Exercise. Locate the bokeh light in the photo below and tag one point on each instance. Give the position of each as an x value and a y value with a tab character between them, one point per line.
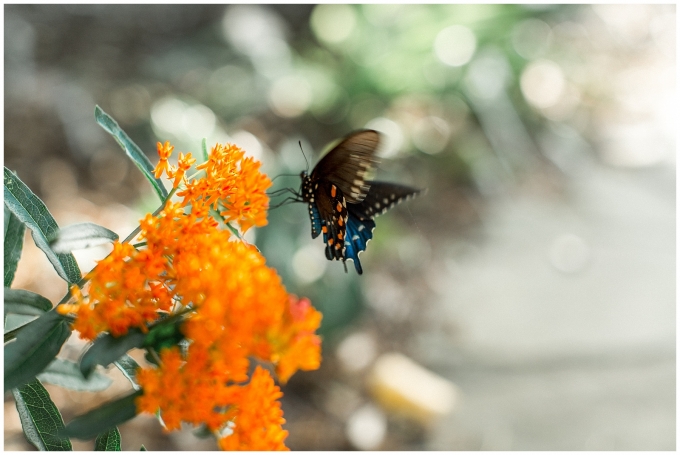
455	45
357	351
366	428
531	38
542	83
333	23
290	96
431	134
308	264
393	139
487	76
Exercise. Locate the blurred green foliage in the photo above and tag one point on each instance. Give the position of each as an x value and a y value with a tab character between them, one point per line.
279	74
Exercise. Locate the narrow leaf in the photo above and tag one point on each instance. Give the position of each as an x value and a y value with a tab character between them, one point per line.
19	301
131	149
14	323
35	347
108	441
81	236
107	349
103	418
65	373
40	418
31	211
128	366
204	149
14	242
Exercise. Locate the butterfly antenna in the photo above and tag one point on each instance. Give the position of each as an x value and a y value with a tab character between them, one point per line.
288	200
280	191
303	154
284	175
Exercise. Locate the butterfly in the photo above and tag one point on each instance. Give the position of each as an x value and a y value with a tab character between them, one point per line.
342	203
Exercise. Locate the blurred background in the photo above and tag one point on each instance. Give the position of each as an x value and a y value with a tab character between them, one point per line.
526	302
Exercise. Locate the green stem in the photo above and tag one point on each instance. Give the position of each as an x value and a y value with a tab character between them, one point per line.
234	230
136	231
219	216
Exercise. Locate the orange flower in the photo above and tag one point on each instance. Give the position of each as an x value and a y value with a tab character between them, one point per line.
183	165
164	152
234	186
233	307
190	390
293	345
258	416
119	295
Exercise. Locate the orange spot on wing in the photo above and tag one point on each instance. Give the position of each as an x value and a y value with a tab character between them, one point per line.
340	221
333	190
324	229
330	241
339	207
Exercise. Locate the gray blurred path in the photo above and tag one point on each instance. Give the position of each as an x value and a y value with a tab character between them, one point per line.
566	312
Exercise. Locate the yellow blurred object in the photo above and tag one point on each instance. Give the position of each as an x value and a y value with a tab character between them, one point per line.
403	387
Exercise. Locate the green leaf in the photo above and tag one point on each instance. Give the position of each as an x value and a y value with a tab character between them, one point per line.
107	349
131	149
204	149
40	418
101	419
165	334
142	449
203	432
80	236
14	323
35	347
65	373
31	211
128	366
14	242
19	301
108	441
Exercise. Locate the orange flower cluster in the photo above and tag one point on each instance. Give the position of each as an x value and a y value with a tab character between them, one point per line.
232	185
258	424
126	290
234	307
288	344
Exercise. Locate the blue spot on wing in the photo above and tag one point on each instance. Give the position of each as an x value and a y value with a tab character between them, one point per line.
359	232
316	221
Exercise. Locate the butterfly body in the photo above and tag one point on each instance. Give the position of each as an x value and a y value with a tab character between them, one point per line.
342	203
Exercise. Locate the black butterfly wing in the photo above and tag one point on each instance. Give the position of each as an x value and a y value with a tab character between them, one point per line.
347	165
332	209
381	197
